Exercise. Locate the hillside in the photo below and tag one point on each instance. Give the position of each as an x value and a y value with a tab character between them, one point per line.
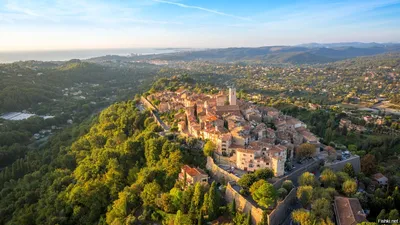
116	169
25	84
267	55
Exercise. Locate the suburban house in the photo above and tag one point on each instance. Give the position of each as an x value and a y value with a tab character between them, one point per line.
348	211
380	178
192	175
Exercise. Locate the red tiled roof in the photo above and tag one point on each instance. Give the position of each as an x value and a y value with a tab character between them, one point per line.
349	211
193	171
378	176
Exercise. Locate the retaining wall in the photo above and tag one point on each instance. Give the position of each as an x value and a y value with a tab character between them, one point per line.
218	173
282	210
147	104
276	217
242	204
294	175
353	160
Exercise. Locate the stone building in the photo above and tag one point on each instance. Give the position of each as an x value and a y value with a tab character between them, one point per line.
261	157
192	175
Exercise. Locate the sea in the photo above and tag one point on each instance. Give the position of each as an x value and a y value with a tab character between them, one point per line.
64	55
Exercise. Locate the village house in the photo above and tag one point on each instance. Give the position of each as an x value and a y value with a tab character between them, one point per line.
380	179
191	175
348	211
260	157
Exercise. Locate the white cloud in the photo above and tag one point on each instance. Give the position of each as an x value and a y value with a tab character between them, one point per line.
203	9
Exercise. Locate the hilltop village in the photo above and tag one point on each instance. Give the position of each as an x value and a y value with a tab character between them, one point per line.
238	128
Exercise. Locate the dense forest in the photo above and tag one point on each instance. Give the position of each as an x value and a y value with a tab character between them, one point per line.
117	171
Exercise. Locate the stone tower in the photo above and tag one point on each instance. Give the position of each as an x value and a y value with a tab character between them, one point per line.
232	96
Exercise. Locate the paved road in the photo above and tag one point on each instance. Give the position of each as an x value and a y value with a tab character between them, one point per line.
295	206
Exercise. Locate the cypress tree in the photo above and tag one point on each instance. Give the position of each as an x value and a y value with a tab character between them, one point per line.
213	203
232	208
196	202
248	219
382	215
200	218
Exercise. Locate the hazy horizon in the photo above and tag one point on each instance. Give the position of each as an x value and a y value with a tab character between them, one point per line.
99	24
65	55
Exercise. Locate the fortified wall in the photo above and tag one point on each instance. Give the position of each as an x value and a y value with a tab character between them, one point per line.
242	204
294	175
147	104
354	160
275	217
218	173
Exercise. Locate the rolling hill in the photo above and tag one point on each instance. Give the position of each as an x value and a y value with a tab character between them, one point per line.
308	54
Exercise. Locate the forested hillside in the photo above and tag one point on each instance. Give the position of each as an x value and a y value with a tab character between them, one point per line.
25	84
120	170
70	91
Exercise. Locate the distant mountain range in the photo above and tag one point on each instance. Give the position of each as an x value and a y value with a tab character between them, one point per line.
312	53
347	44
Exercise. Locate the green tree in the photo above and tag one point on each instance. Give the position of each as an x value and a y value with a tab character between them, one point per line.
329	134
396	197
348	168
303	217
264	174
382	215
349	187
247	180
232	208
248	219
200	218
264	218
197	201
176	197
394	214
209	148
153	148
122	207
308	179
178	218
352	148
213	202
342	177
306	150
165	202
304	194
368	164
328	178
186	199
282	192
288	185
327	193
240	219
150	193
263	193
322	208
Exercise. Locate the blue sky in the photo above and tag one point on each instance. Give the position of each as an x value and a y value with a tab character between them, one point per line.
88	24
